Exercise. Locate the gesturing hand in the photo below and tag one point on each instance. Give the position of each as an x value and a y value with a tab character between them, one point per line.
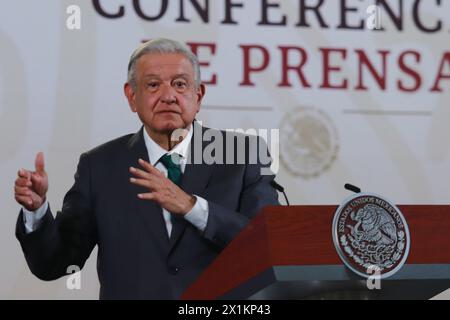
30	187
163	191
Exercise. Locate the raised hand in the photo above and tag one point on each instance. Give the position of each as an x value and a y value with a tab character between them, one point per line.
31	187
161	190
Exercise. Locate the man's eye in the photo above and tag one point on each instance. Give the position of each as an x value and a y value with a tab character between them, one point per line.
152	85
180	84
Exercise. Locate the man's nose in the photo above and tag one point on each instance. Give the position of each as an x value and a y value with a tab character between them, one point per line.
168	95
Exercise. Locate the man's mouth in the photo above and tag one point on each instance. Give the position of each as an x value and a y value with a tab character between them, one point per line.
168	112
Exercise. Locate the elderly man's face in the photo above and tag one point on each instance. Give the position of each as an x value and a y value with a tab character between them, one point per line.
165	97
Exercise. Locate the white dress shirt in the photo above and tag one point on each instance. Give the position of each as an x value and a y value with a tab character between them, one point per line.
198	216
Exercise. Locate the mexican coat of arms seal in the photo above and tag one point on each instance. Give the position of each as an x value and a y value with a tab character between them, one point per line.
370	232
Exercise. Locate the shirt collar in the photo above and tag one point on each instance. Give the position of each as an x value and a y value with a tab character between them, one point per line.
155	151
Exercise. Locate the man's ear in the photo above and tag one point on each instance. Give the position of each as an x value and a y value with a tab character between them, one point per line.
131	97
200	94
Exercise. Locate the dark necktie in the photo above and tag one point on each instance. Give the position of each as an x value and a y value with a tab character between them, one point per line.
172	164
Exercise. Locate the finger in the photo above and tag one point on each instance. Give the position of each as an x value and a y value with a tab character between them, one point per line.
24	174
22	182
147	196
140	173
24	200
143	183
36	178
39	163
27	193
23	191
147	166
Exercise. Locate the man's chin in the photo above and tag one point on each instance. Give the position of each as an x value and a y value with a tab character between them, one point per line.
171	127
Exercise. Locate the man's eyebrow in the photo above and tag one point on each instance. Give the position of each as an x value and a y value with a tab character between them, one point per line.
178	75
182	75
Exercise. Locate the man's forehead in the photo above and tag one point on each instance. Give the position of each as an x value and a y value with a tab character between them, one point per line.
161	61
175	74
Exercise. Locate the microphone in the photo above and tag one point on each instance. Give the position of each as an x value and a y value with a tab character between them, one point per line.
278	187
353	188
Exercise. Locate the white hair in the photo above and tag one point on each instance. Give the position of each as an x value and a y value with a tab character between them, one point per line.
161	45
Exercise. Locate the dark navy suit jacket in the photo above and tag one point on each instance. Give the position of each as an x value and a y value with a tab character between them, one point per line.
136	258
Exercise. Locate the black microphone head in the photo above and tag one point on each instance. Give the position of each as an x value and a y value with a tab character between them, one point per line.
351	187
279	188
274	184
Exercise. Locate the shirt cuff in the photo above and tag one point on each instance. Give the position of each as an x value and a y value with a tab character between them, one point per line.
198	216
33	219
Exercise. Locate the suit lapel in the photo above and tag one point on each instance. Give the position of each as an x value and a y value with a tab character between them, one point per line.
150	212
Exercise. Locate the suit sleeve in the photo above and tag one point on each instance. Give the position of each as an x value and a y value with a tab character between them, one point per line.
223	223
67	239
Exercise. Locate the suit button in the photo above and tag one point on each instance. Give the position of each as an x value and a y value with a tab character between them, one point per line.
173	270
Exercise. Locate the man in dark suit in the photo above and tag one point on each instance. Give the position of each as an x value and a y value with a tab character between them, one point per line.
158	208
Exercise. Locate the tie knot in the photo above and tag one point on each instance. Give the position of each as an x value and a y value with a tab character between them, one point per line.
172	164
171	160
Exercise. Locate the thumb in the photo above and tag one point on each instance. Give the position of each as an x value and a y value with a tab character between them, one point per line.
39	163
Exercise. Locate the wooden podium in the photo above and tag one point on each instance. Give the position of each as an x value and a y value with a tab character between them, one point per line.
288	253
